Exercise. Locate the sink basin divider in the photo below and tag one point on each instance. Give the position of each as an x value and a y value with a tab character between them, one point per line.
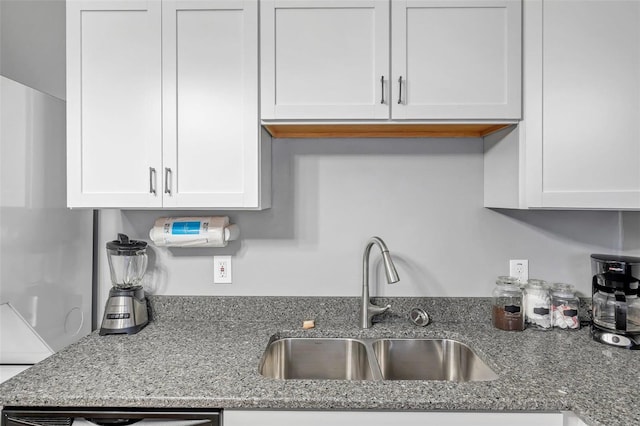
376	372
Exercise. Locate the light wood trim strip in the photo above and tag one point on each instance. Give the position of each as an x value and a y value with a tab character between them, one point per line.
304	131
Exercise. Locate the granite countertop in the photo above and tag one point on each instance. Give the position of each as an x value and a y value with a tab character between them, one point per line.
203	352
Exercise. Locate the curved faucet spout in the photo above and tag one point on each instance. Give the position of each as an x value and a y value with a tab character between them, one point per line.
367	309
389	268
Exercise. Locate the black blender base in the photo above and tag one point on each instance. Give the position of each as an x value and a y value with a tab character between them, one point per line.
621	340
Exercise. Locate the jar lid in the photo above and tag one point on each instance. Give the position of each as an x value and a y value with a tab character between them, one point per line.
504	279
562	289
123	246
536	283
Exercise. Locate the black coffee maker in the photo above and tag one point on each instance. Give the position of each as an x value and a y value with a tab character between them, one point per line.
616	306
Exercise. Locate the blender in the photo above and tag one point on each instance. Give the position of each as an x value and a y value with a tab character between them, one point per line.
126	309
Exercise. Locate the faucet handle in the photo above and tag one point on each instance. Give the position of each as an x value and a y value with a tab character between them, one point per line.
377	310
374	310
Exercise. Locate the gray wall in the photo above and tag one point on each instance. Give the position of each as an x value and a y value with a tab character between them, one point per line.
631	233
32	44
422	196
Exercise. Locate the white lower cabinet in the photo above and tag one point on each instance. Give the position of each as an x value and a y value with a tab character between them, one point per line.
162	101
579	143
385	418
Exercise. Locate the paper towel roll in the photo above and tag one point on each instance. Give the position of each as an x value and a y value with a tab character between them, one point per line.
211	231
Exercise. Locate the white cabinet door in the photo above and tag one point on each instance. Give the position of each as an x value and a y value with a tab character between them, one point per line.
324	59
456	59
114	123
385	418
210	89
583	123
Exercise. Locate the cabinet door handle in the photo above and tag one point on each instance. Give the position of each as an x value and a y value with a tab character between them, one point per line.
152	181
382	89
167	180
400	90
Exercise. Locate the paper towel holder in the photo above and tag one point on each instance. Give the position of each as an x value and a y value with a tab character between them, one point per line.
209	231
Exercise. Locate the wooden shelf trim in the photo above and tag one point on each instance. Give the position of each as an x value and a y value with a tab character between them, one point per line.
391	130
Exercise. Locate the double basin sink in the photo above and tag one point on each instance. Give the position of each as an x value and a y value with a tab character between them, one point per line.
373	359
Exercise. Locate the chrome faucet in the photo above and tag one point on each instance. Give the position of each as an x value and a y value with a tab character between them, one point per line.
368	309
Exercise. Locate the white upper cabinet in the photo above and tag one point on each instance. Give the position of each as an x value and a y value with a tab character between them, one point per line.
163	105
210	75
114	103
456	59
579	144
332	59
590	140
324	59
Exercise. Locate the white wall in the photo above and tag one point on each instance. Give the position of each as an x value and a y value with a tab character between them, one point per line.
45	248
422	196
32	44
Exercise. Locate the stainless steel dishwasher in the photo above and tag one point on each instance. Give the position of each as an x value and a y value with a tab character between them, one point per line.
45	416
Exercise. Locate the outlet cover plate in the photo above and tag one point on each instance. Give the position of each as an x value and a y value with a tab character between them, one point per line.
222	269
519	268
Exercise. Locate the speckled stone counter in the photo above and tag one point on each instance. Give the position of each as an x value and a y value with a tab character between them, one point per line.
203	352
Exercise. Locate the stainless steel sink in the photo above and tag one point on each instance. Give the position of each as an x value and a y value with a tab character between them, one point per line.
373	359
429	359
338	359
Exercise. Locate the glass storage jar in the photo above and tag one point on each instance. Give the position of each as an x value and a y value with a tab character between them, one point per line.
564	307
537	303
507	310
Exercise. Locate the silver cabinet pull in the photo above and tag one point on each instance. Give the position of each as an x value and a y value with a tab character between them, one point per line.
152	181
167	180
382	89
400	90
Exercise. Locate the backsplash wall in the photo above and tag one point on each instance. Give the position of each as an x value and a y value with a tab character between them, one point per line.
631	233
422	196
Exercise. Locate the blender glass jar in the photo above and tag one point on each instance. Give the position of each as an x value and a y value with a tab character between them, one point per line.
127	261
507	310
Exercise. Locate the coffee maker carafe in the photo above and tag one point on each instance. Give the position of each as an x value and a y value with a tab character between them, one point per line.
616	306
126	309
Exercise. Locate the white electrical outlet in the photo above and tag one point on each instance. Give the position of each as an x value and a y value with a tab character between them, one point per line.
519	269
222	272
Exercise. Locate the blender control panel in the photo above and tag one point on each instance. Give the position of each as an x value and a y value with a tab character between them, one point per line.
119	316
